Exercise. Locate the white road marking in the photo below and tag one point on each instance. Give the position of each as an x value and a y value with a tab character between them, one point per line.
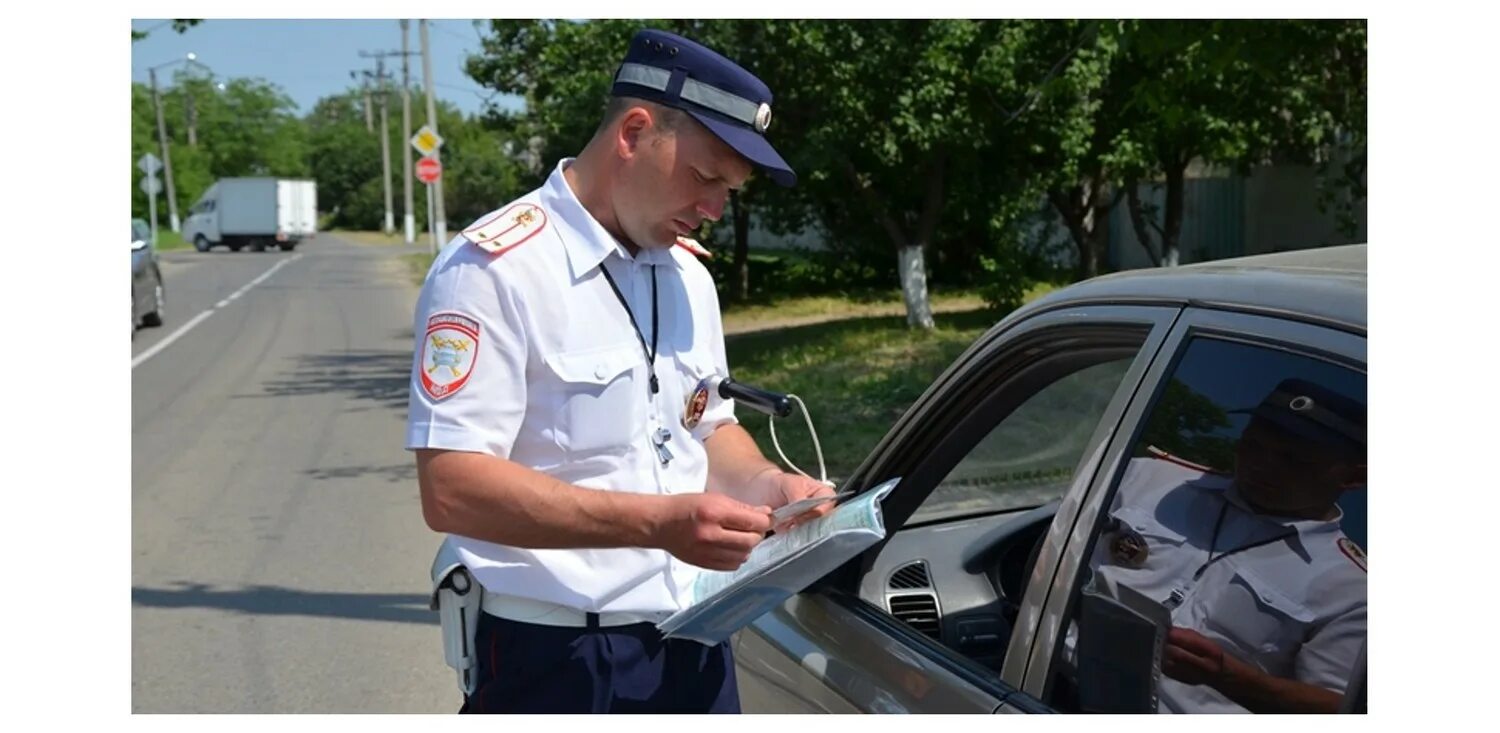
164	343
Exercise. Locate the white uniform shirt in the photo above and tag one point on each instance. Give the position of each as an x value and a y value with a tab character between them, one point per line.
558	381
1294	608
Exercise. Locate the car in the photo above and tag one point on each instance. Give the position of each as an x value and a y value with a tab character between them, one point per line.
148	294
1011	466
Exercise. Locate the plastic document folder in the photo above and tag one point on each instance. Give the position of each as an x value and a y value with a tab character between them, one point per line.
722	603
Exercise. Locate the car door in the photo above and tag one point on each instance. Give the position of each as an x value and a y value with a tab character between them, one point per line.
839	646
1194	404
140	254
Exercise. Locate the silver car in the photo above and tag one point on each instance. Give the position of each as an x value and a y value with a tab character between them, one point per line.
985	596
148	295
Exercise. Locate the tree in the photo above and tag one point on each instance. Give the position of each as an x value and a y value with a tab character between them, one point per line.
880	164
480	166
1237	94
180	25
346	159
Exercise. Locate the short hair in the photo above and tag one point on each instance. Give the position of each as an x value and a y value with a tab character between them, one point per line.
668	120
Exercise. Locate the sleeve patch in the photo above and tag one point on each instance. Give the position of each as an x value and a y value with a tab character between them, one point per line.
449	350
1353	552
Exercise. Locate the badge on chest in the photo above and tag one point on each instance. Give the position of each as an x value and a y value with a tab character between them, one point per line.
1128	548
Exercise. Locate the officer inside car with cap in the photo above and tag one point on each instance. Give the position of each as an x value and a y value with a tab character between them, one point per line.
1266	593
560	341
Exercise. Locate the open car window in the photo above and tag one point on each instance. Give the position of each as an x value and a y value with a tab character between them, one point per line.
1234	535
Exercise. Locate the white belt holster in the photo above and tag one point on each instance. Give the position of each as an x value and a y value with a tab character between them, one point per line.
457	598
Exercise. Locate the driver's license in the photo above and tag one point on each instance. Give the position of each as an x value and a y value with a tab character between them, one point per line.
802	505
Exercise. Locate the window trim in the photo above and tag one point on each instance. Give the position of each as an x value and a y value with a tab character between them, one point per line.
1299	337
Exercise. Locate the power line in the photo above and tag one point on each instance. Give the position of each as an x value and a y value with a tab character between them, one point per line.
445	29
484	96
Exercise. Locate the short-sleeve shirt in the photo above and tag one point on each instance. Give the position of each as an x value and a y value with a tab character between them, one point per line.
523	351
1294	607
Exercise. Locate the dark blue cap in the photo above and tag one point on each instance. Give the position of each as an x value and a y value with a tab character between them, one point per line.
672	71
1313	412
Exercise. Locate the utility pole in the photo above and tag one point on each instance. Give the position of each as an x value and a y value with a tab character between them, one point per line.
440	223
166	155
409	219
385	136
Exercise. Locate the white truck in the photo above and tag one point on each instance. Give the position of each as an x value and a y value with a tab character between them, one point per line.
253	212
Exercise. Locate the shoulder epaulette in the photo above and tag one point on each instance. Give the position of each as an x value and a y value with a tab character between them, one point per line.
508	229
1185	463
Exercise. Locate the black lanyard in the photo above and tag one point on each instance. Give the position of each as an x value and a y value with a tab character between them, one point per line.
1214	543
650	352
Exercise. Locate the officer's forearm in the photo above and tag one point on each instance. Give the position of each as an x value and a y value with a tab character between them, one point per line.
1259	692
492	499
735	463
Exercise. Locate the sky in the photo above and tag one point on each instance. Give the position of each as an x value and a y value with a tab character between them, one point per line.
311	59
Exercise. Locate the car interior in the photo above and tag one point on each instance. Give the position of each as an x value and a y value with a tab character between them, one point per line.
957	568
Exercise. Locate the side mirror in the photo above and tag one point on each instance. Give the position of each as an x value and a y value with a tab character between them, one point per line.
137	245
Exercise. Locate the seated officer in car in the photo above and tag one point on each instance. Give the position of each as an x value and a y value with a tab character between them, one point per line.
1266	593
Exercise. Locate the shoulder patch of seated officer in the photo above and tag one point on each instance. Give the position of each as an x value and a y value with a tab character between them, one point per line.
693	246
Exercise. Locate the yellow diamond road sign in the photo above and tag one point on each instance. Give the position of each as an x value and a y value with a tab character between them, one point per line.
426	141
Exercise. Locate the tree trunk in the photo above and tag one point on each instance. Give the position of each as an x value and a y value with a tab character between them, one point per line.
1072	216
1172	227
1138	220
740	289
910	260
914	288
1085	209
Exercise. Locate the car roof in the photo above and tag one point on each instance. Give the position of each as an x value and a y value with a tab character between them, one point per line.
1325	285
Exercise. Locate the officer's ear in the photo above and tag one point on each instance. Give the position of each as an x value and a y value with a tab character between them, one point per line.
633	132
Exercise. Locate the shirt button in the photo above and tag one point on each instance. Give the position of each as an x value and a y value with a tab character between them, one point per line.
599	372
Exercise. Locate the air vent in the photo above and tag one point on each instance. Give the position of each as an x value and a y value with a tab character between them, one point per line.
913	575
918	610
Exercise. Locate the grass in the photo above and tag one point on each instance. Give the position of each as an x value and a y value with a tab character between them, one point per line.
885	303
168	240
856	376
417	265
365	237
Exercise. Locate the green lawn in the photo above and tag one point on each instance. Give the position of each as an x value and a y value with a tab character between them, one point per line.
167	240
856	377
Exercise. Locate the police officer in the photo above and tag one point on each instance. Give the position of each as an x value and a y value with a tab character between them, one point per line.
560	339
1266	593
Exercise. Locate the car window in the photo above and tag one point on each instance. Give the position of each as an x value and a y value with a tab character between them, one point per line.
1235	532
1028	458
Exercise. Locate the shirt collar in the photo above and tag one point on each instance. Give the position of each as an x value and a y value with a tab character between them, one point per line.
586	241
1306	528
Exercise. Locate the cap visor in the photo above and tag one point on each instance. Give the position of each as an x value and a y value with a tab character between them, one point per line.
752	145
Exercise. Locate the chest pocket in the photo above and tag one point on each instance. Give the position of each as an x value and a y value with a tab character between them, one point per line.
1247	610
600	405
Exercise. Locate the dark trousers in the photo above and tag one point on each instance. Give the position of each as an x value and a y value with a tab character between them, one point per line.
531	668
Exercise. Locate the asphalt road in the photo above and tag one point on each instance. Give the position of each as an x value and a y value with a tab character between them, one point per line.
279	559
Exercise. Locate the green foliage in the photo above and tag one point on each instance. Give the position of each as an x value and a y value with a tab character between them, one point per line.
180	25
249	128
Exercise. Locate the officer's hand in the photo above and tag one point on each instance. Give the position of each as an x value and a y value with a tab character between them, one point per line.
785	488
711	531
1192	658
